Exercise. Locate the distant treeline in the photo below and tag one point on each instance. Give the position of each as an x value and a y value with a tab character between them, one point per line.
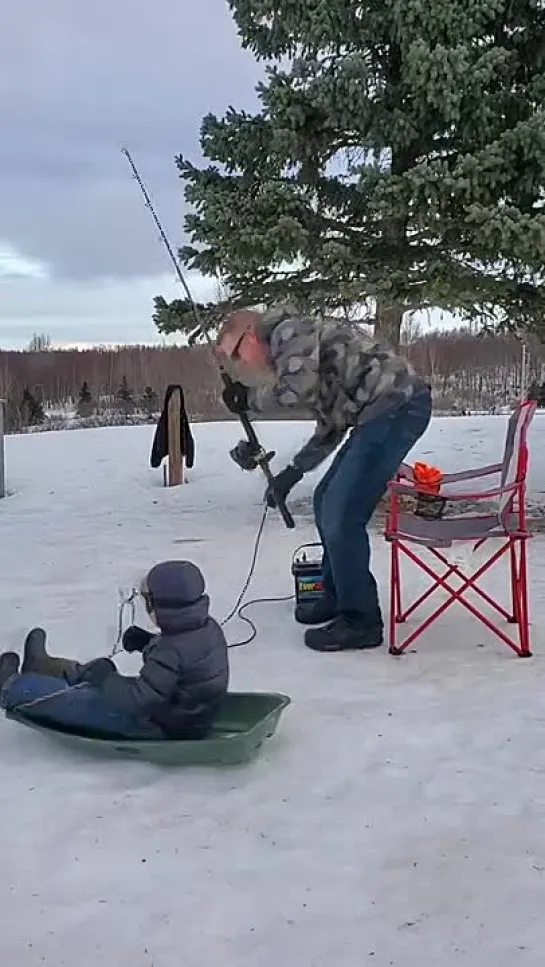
466	372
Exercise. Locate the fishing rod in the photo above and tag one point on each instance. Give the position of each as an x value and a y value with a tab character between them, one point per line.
255	453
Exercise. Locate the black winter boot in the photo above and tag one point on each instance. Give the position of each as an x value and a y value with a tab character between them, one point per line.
9	665
343	634
36	659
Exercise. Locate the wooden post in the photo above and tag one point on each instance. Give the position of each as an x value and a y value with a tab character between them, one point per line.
175	460
2	463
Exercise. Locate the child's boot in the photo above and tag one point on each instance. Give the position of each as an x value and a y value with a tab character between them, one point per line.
36	659
9	665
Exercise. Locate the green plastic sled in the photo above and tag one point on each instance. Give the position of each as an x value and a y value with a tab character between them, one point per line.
243	723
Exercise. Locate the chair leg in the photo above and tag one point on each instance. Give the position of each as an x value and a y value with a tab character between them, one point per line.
515	617
519	592
397	586
395	597
522	603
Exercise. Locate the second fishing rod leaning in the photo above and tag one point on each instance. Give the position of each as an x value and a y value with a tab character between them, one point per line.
254	451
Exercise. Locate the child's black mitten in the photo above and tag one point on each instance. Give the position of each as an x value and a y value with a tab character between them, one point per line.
136	639
96	672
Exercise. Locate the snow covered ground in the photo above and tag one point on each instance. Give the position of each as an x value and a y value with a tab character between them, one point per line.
397	818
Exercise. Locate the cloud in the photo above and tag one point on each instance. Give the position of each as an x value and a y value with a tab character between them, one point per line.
77	83
16	266
79	254
115	310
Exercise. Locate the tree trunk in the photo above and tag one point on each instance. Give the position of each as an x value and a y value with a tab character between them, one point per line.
388	320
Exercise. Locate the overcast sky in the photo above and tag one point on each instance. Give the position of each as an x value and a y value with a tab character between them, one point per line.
79	255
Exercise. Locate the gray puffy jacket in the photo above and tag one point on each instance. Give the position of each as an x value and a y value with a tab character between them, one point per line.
185	671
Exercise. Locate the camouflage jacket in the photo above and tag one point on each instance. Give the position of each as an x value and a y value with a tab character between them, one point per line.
332	371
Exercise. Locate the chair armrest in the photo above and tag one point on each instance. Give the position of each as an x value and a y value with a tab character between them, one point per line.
406	472
472	474
479	494
409	490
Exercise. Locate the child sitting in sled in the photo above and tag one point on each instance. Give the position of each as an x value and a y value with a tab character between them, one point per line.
182	682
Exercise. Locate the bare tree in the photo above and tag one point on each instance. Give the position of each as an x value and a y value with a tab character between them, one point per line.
467	371
39	343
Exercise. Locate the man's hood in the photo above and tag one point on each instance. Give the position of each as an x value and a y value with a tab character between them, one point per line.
269	319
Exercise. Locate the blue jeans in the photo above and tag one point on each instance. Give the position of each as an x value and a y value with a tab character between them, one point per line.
80	709
347	495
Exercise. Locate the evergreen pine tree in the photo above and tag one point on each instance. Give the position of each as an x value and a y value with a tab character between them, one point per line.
85	405
397	162
149	402
125	398
537	392
31	409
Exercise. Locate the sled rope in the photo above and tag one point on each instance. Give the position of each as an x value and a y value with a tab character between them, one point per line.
125	603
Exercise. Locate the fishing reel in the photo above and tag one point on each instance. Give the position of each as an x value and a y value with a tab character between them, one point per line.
248	456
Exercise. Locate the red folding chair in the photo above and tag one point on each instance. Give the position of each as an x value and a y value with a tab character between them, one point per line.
508	524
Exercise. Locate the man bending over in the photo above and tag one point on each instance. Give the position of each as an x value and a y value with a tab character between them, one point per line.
352	385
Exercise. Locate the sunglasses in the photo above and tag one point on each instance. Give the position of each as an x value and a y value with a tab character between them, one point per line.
236	349
235	340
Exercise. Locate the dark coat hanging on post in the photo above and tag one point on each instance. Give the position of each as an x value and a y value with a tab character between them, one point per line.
159	449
